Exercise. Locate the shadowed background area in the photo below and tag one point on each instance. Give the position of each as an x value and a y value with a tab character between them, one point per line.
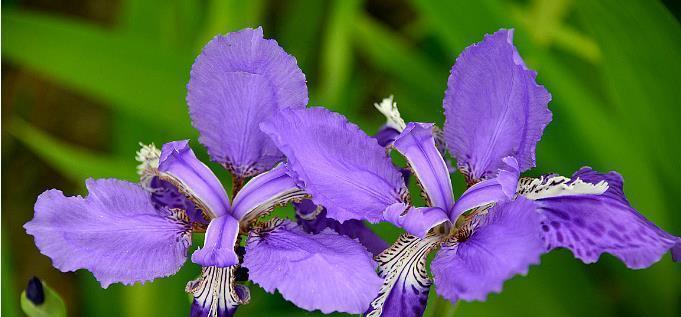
83	81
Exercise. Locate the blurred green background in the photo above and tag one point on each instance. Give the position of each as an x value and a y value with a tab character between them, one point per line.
83	81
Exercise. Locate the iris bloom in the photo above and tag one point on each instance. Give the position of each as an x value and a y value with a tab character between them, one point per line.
126	232
495	115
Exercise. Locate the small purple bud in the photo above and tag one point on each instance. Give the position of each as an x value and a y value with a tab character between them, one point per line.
35	292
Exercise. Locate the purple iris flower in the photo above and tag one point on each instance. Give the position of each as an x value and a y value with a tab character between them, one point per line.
125	232
496	114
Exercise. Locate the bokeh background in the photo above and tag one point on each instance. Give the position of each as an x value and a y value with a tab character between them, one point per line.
83	81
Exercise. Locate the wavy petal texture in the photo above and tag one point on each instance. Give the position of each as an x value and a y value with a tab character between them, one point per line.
405	280
590	224
312	219
180	166
218	247
239	80
417	145
324	271
505	242
493	107
264	192
216	294
115	233
343	169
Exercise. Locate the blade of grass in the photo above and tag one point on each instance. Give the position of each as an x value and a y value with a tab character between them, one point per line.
299	39
224	16
336	61
126	73
392	55
74	162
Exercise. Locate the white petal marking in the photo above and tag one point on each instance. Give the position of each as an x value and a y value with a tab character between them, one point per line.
216	289
555	186
404	261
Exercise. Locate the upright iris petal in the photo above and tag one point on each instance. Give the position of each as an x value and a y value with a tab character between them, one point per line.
343	169
115	233
239	80
494	108
417	144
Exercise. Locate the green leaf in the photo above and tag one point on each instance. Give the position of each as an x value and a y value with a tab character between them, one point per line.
392	55
641	48
75	162
297	38
460	23
336	61
125	72
53	306
224	16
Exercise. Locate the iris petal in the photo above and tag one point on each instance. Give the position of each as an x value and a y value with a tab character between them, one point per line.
494	108
324	271
343	169
417	145
115	233
590	215
239	80
505	242
180	167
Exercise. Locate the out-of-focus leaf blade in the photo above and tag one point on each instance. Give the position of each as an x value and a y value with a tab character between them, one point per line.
641	43
460	23
297	38
126	73
336	61
9	294
390	54
76	163
224	16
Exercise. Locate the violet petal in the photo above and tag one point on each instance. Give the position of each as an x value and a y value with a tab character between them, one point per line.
115	233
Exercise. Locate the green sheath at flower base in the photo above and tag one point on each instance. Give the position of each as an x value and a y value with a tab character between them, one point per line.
39	300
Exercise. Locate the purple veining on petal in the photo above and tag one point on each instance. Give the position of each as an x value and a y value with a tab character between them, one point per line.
417	145
179	166
415	220
239	80
314	220
406	284
504	242
166	195
324	271
115	233
218	247
343	169
216	294
590	225
494	108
